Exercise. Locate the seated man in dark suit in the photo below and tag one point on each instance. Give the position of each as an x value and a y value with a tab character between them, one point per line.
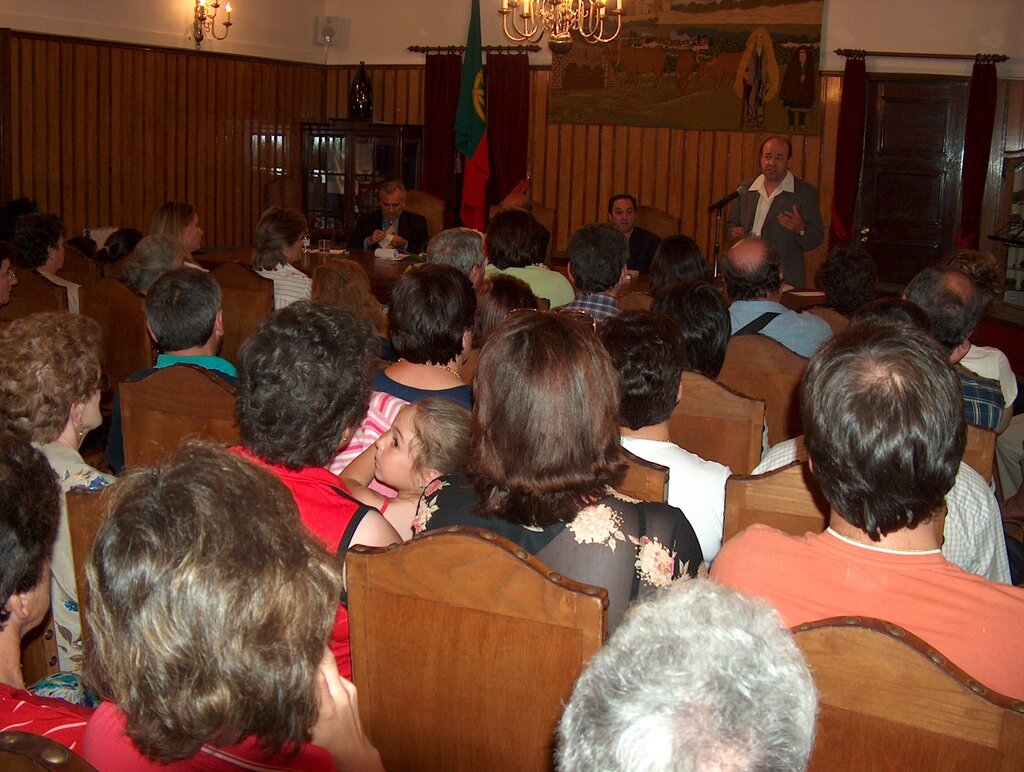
183	316
408	230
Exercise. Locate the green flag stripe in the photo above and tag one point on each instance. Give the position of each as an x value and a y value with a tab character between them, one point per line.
469	121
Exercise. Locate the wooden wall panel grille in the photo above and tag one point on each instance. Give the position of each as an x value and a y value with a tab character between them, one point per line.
104	133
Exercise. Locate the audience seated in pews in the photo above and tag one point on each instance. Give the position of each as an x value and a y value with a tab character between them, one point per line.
848	278
118	247
428	439
753	281
303	386
647	351
50	384
183	315
511	247
954	305
677	259
461	248
697	677
152	257
277	247
29	513
344	283
7	278
544	461
209	614
884	428
39	244
179	221
597	266
703	317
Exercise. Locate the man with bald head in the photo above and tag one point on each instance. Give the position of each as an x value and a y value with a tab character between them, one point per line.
753	281
780	208
954	305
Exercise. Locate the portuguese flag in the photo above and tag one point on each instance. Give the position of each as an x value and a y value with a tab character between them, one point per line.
471	129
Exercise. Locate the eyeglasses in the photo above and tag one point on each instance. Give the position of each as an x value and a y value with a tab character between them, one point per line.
582	318
9	273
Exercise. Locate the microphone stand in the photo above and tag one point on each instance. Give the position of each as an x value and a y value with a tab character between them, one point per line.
717	208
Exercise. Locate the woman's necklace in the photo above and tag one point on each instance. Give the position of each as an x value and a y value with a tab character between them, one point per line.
439	367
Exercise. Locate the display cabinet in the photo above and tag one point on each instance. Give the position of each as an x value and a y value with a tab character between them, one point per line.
1009	239
344	163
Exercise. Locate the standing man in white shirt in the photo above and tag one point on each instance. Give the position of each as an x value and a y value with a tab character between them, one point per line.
780	208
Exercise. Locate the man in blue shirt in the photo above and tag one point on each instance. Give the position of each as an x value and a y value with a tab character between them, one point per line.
597	266
183	316
753	281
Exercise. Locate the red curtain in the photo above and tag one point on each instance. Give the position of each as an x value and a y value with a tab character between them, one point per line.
508	115
441	97
981	112
849	151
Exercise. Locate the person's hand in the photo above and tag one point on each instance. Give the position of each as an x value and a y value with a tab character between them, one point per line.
737	232
398	242
791	220
338	729
376	236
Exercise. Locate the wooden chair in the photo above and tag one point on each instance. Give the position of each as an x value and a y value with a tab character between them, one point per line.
644	479
718	424
835	320
430	206
887	700
787	498
121	314
86	510
246	299
980	452
660	223
636	301
24	752
79	268
173	403
760	367
39	652
491	642
33	293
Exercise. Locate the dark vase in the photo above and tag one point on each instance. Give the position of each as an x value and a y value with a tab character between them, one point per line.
360	95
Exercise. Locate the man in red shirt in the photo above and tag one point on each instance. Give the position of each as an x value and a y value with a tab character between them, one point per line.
884	426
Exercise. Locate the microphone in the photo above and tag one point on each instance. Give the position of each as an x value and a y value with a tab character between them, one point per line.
726	199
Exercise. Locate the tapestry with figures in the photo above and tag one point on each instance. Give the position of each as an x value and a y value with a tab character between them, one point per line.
703	64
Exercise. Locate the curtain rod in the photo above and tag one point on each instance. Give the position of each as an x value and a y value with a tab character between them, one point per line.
462	49
857	53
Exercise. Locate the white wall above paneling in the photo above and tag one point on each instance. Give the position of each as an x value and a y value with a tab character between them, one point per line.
380	31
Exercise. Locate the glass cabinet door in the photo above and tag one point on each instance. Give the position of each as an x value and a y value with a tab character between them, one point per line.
325	180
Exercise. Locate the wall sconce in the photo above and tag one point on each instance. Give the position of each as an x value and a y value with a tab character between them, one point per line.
206	14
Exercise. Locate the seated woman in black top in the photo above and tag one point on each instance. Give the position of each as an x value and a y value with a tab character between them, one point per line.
545	459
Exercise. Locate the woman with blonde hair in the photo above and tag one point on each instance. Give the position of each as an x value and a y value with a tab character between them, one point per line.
50	383
757	78
344	283
180	221
277	247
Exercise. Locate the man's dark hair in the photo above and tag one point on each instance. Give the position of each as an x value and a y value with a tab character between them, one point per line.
11	211
789	144
884	425
29	508
303	383
647	349
848	277
617	196
678	258
951	301
432	306
597	255
746	282
34	234
511	239
181	308
894	311
703	318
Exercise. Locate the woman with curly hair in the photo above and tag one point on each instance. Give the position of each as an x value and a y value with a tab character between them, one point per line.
210	610
50	384
345	283
545	459
39	244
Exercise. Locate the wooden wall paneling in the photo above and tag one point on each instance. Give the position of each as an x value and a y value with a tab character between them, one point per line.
17	116
590	174
550	178
690	143
6	119
402	80
1014	116
103	122
605	180
674	156
659	195
649	168
416	95
51	192
537	140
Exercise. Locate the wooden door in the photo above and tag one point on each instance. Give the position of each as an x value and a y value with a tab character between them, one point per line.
909	202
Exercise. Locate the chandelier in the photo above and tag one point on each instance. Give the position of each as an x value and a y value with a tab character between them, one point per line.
528	20
205	14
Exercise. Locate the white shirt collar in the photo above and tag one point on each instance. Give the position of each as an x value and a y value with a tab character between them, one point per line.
787	185
873	548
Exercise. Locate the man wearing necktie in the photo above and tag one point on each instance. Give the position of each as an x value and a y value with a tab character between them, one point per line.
391	226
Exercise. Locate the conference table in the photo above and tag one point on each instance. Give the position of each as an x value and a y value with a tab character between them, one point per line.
383	272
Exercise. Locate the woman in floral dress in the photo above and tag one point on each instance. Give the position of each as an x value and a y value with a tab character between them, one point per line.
50	384
545	460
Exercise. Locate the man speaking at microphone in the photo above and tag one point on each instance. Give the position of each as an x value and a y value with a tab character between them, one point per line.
781	209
